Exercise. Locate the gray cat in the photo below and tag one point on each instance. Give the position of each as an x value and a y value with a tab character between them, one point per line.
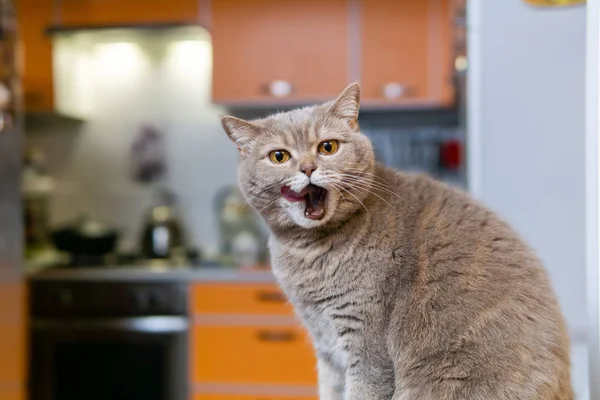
410	289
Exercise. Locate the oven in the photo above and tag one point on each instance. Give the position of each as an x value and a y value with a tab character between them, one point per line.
111	340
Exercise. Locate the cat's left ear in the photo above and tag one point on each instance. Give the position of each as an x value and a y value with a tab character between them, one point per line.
239	131
347	104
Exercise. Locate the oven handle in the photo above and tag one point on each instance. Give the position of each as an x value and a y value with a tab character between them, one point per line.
166	324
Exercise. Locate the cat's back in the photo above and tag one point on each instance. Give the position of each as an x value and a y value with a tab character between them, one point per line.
479	292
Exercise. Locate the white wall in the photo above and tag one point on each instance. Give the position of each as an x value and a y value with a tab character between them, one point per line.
527	116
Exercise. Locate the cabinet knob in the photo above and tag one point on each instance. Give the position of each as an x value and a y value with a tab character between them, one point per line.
394	91
280	89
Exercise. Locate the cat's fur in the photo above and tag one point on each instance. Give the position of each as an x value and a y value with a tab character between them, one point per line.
410	289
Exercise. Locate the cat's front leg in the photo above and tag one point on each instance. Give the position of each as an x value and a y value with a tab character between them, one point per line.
331	381
365	386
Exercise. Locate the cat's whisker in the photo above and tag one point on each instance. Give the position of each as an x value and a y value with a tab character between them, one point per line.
374	194
333	185
373	184
357	199
366	178
268	205
368	173
348	178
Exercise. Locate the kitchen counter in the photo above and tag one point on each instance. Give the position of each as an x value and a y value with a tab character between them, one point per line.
141	274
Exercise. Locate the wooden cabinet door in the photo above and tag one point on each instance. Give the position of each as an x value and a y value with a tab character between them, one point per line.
12	341
252	354
239	299
406	53
258	42
33	17
124	12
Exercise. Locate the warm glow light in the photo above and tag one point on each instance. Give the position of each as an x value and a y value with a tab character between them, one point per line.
191	55
119	59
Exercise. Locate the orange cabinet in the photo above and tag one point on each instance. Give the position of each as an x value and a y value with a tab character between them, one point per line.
33	17
12	341
125	12
245	340
279	355
268	51
263	299
13	394
406	52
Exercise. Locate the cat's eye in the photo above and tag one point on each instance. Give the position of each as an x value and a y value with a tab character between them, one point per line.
279	156
328	147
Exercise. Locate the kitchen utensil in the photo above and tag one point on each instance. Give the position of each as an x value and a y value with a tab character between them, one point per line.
163	235
87	241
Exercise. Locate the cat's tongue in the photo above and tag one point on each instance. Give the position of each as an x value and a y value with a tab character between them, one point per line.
314	196
292	196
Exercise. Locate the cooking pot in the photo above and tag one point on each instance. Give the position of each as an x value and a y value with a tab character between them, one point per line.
86	240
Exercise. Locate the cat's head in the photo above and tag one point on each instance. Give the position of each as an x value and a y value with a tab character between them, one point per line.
307	167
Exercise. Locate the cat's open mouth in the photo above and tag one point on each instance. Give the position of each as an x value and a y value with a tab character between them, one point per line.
313	196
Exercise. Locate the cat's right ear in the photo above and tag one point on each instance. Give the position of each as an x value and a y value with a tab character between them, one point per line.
239	131
347	104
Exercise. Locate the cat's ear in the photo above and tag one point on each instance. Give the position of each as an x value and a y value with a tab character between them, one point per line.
347	104
239	131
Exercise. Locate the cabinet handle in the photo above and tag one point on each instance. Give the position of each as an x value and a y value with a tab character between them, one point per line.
280	89
281	336
267	296
395	90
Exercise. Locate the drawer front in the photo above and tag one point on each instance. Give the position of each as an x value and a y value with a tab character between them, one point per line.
265	299
280	355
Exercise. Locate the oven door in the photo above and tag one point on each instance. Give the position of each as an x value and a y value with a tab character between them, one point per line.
139	358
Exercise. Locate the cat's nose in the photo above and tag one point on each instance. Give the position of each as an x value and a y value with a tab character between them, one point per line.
308	169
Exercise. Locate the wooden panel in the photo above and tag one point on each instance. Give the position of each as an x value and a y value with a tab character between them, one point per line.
239	298
234	397
410	43
12	339
252	354
33	17
119	12
13	394
259	41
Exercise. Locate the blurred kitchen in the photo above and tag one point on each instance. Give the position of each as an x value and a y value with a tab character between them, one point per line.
143	275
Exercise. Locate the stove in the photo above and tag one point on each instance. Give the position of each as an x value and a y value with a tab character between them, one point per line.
108	340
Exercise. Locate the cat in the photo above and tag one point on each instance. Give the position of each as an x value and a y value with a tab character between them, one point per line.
409	289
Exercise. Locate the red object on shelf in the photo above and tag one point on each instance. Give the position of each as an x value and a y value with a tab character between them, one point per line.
451	154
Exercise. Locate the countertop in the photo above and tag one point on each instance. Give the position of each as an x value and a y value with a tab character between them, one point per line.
150	274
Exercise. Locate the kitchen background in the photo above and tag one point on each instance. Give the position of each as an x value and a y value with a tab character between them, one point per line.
139	257
124	84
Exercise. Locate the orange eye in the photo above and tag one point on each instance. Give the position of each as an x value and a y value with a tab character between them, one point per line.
328	147
279	156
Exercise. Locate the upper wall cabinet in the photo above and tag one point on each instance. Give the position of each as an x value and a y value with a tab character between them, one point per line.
269	52
33	17
406	53
125	12
273	52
